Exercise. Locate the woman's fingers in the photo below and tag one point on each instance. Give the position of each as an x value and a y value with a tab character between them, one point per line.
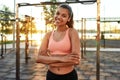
75	56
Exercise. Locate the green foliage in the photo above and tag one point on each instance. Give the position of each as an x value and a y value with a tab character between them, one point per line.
9	42
28	26
49	12
6	22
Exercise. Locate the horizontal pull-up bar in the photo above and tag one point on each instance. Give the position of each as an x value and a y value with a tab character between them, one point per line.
57	3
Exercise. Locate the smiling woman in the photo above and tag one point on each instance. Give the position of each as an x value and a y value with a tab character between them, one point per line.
61	60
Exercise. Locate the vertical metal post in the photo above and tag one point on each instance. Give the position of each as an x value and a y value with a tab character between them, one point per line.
31	19
84	31
98	42
14	27
82	38
17	45
2	49
2	44
5	44
26	42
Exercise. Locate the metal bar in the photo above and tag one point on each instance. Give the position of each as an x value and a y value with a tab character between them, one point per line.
14	27
26	42
5	12
3	19
98	42
5	43
2	45
55	3
84	31
43	3
17	45
105	19
82	53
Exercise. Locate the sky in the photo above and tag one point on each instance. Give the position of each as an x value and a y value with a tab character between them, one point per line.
109	8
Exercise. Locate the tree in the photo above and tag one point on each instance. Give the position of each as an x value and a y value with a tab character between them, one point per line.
28	25
49	12
5	21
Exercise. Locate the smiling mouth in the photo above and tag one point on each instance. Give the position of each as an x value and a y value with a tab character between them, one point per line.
58	21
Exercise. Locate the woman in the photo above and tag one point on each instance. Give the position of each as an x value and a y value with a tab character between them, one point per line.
60	48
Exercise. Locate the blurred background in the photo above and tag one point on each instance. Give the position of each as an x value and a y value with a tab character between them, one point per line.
37	20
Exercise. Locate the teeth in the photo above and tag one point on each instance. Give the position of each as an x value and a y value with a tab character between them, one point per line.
57	20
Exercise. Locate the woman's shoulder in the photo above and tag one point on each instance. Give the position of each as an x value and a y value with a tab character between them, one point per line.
72	31
48	34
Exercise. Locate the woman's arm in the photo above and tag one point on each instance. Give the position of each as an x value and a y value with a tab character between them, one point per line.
45	58
67	60
75	42
57	59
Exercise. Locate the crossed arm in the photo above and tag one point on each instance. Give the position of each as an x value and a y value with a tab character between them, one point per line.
60	60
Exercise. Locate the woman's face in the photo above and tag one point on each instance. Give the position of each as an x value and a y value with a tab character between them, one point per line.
61	17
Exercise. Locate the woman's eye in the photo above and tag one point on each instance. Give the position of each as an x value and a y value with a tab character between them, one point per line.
57	13
63	15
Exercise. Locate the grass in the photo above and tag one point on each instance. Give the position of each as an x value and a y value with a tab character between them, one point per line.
9	42
89	43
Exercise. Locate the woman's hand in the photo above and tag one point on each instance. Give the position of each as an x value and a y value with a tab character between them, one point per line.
71	58
66	60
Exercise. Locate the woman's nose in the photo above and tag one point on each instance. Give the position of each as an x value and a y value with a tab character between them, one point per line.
59	16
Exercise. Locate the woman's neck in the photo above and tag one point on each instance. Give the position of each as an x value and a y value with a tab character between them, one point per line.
62	28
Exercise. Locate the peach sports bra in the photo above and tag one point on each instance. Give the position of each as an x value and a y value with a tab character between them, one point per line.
60	47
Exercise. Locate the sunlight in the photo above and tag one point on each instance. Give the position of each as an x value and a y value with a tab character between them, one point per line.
40	24
37	38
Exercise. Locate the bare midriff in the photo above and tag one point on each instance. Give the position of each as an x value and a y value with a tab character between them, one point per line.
61	70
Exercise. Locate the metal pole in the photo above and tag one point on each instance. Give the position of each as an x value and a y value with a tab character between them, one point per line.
82	39
84	31
31	26
14	28
5	44
98	42
26	42
2	44
17	45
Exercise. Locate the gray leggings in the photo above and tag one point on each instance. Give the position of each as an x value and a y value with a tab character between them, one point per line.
70	76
